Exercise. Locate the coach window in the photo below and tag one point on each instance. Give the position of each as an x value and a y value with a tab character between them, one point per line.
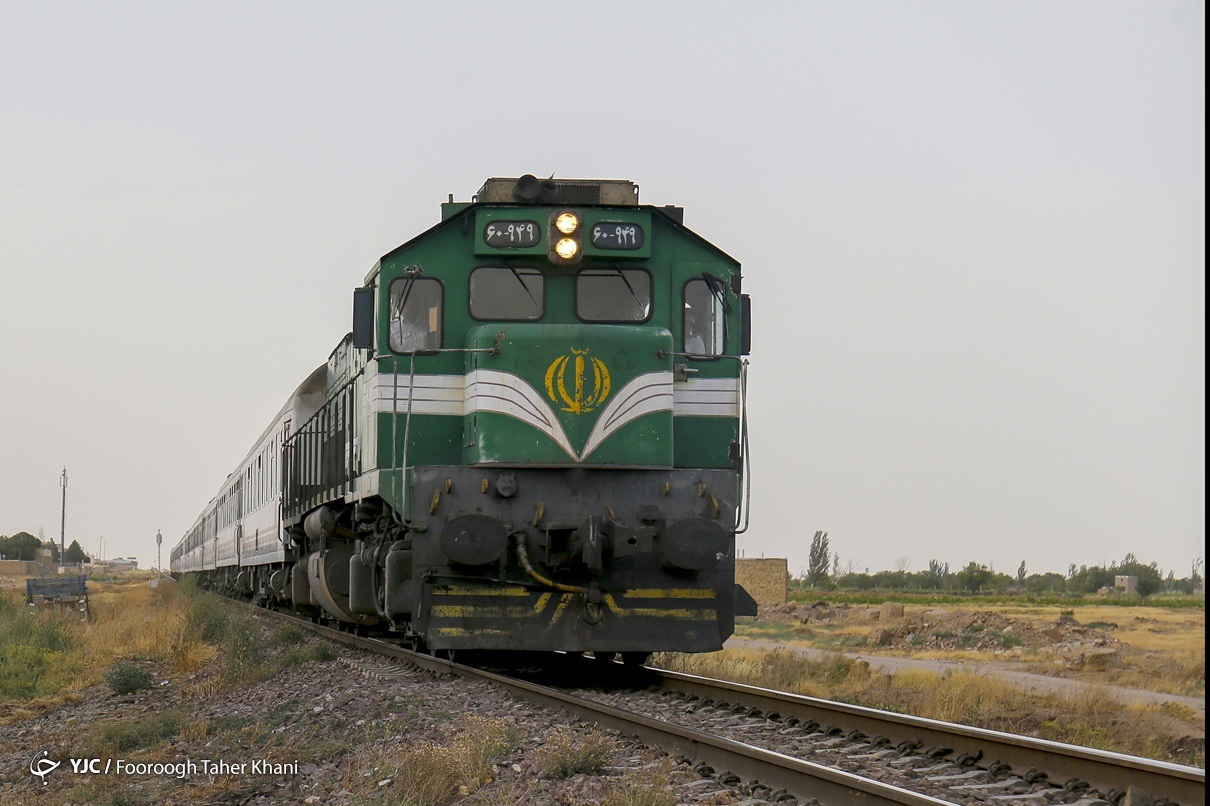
613	295
705	326
507	294
415	315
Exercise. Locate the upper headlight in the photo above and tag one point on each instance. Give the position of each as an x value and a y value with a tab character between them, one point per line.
567	223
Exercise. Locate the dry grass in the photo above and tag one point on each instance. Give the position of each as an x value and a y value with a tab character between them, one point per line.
1091	718
47	658
566	753
425	774
644	787
136	621
428	773
484	742
1162	648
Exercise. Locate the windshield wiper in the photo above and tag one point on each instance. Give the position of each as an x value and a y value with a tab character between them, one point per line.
629	287
524	287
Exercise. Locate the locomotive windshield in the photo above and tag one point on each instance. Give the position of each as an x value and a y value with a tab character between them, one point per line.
613	295
507	294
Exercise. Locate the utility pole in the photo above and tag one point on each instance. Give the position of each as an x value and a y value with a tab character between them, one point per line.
159	538
63	521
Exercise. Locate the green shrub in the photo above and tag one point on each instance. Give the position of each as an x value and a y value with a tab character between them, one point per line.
134	734
287	635
126	676
1005	640
243	653
208	617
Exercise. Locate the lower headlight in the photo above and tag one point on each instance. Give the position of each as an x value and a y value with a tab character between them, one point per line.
566	248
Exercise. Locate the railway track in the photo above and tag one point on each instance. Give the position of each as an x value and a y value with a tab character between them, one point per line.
806	749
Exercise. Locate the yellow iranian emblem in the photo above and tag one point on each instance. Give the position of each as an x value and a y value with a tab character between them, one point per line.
579	399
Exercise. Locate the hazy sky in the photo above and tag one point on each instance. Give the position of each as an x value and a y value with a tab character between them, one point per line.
973	233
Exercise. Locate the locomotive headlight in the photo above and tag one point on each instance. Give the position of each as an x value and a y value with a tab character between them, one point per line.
566	248
567	223
564	237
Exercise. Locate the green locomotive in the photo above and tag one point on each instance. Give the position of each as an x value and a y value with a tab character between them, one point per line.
533	439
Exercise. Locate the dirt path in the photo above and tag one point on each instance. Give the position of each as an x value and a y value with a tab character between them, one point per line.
1039	683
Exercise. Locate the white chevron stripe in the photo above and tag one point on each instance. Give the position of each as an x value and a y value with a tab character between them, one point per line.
645	394
507	394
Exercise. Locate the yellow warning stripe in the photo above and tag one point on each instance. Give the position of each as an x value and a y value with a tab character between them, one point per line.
480	611
462	632
564	601
668	593
480	590
704	614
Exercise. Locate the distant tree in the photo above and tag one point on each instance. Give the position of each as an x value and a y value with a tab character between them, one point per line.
858	581
817	560
1090	580
21	546
1046	583
74	553
1021	572
1000	582
835	565
54	549
892	580
902	563
974	577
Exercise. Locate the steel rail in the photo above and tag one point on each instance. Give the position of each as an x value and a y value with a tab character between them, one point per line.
1101	768
802	779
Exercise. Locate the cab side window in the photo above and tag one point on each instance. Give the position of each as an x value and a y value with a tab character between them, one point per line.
705	331
415	315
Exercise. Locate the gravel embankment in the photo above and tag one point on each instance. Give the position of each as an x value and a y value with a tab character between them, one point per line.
346	729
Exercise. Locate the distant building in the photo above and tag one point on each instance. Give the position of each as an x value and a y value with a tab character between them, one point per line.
766	580
116	564
1126	583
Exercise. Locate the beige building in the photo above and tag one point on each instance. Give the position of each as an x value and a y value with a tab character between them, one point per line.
766	580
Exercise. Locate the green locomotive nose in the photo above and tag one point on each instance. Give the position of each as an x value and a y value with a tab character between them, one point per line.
556	395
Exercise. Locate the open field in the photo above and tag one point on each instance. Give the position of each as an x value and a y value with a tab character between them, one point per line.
1156	649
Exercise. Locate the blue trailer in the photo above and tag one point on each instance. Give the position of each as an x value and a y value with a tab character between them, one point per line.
61	594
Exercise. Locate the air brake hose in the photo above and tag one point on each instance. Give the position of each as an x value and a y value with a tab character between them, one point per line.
523	556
